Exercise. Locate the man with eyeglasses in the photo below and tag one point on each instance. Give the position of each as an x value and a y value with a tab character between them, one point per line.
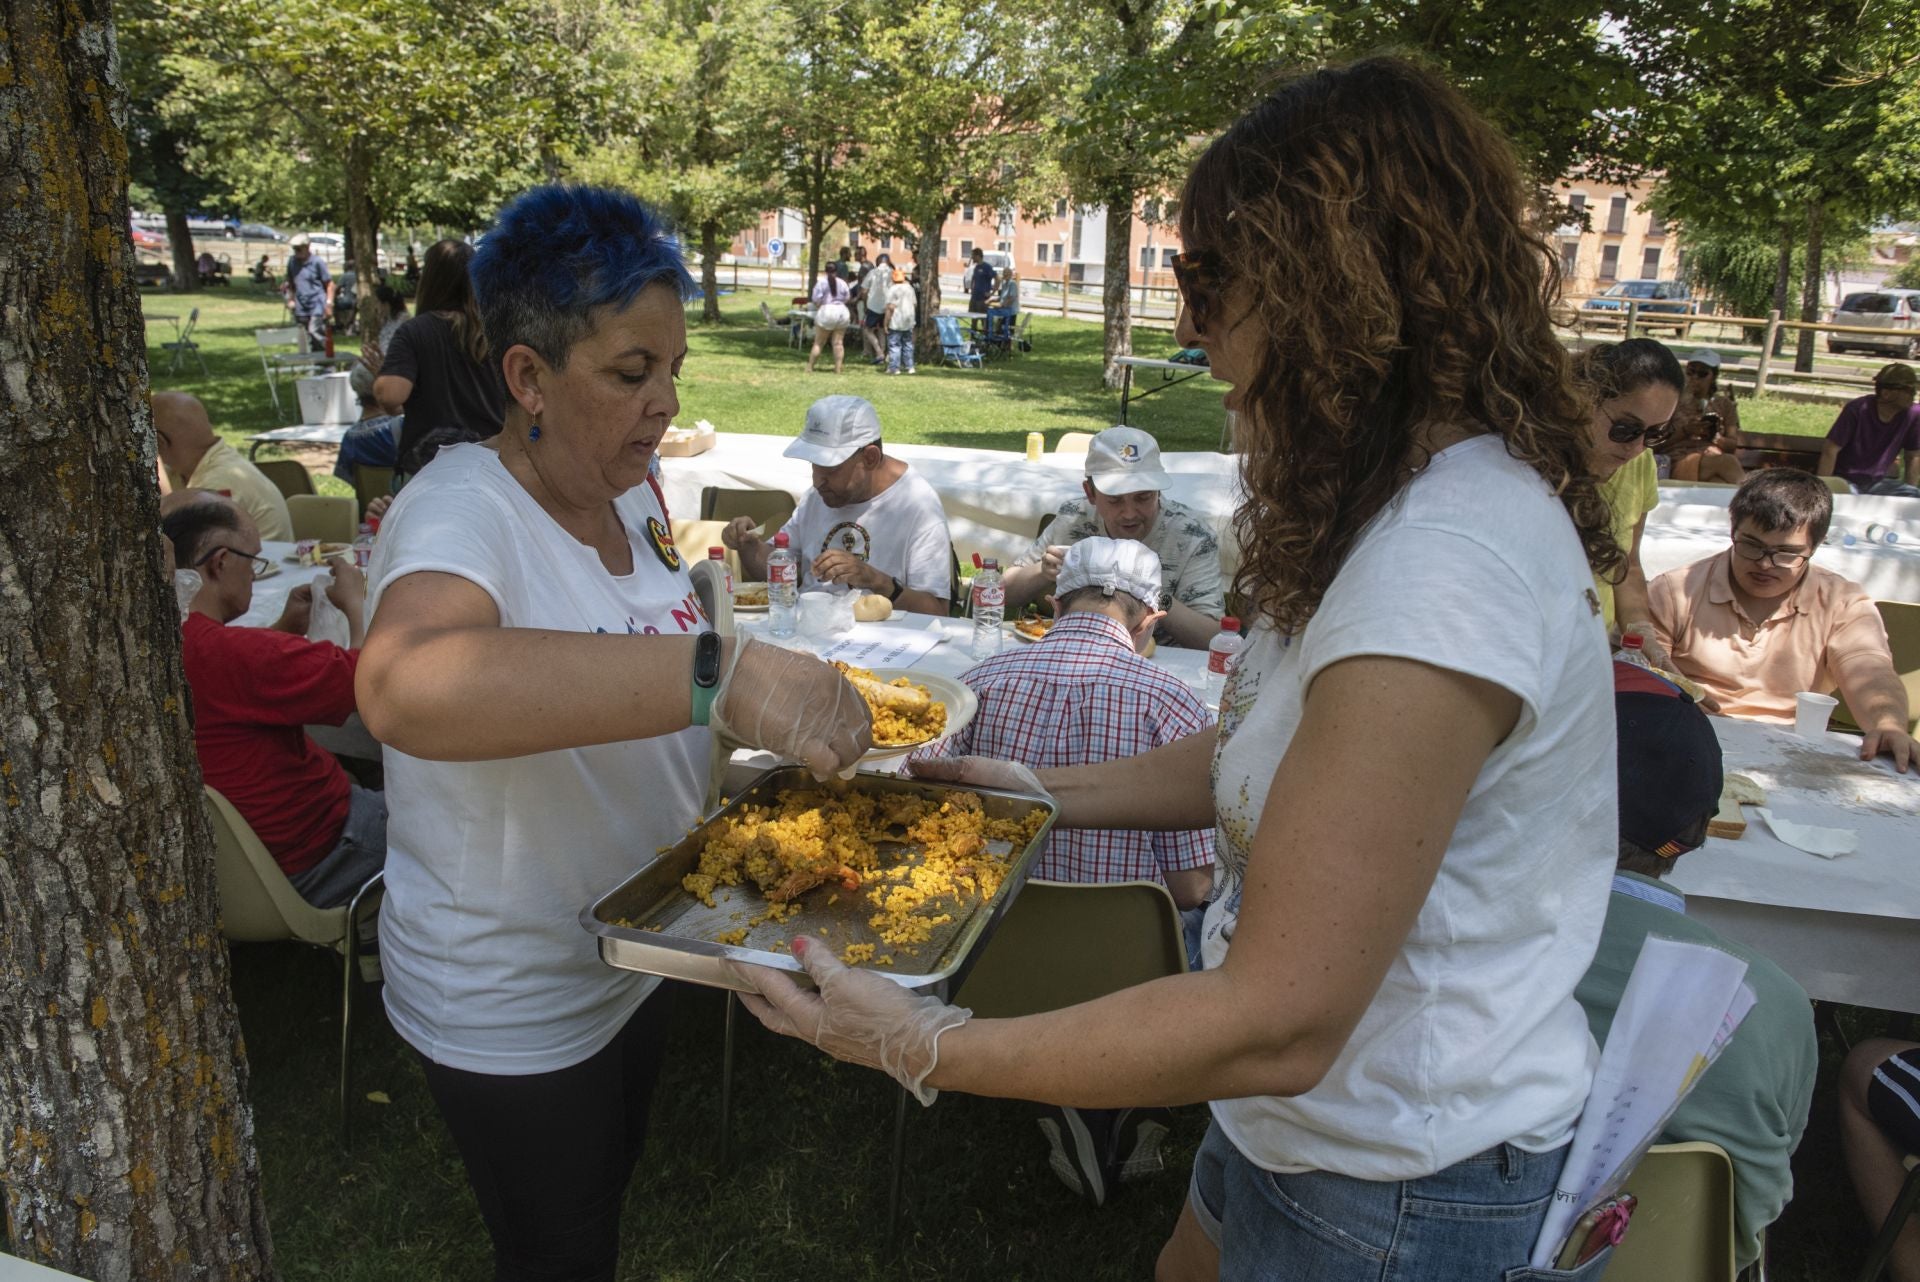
254	692
1867	440
1758	623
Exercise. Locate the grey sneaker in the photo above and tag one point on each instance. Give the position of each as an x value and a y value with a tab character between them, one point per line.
1079	1142
1136	1139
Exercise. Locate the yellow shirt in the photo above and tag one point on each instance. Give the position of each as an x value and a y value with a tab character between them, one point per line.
1631	493
1755	669
223	470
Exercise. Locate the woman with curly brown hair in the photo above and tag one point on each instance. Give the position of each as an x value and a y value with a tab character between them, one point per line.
1413	775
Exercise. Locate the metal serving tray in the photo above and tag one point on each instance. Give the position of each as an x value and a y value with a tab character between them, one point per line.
673	933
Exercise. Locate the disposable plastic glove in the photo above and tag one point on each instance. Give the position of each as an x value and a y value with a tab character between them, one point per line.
854	1015
792	705
980	772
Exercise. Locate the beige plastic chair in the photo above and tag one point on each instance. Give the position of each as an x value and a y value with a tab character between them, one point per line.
1073	443
259	905
370	483
289	477
1683	1224
695	538
1902	619
332	518
1063	943
1838	484
771	508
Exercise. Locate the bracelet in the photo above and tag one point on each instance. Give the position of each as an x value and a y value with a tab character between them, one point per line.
706	676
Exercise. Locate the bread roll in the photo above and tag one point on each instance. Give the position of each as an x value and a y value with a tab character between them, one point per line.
872	609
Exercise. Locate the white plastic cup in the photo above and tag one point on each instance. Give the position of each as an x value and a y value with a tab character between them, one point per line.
1811	712
825	614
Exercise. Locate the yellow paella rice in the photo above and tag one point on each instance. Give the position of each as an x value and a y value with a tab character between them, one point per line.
903	713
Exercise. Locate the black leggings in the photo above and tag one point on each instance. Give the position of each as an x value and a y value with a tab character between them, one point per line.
549	1155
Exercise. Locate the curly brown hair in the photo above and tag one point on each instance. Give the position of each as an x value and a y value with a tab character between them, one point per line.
1373	227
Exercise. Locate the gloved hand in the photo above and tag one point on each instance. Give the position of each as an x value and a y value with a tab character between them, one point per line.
792	705
854	1015
980	772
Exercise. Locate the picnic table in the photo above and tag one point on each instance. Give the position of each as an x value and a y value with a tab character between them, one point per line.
299	434
1172	373
150	317
1847	928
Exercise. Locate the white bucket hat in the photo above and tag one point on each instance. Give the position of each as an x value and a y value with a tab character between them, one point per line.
836	427
1125	460
1112	565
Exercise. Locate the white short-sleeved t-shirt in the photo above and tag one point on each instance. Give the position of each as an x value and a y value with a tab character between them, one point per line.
901	531
490	862
1474	1038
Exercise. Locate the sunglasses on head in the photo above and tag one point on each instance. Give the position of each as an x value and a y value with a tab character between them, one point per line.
1198	273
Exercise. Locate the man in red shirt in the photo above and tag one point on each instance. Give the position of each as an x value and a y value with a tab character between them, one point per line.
254	689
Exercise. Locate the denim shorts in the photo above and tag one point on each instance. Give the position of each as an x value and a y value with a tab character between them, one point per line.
1476	1221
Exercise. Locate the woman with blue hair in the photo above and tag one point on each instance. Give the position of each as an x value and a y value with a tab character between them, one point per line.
545	682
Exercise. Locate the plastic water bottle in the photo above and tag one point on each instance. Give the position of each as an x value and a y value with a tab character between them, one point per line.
1222	653
363	544
989	608
720	555
1633	650
783	588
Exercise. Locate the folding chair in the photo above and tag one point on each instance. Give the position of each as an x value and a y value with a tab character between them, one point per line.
1902	619
274	346
1023	334
766	314
955	350
289	477
185	344
1683	1224
259	905
370	483
1074	443
330	518
771	508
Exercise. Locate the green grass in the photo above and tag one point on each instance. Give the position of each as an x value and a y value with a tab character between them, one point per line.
805	1196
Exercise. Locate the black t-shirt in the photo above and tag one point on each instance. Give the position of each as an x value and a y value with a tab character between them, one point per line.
450	389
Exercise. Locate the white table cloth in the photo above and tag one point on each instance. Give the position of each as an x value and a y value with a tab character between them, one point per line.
1851	512
269	599
299	434
1848	929
1678	535
994	498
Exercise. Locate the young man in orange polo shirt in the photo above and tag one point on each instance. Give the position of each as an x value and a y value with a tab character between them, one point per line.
1758	623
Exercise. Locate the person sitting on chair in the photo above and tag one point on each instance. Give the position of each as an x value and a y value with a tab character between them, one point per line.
1879	1128
192	456
1123	500
1871	433
1704	435
870	521
254	692
1753	1101
1759	623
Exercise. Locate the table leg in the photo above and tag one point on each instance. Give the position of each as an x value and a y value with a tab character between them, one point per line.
1126	391
898	1167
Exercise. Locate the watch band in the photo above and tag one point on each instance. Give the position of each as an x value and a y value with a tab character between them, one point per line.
898	588
706	676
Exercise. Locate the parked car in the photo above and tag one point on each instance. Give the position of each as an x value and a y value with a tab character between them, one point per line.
330	245
1895	310
153	242
260	231
1656	297
213	226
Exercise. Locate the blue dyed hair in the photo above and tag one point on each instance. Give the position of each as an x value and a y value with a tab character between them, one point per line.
556	253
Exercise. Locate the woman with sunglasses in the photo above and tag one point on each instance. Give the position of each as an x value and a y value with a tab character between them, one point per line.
1633	388
1413	774
1706	427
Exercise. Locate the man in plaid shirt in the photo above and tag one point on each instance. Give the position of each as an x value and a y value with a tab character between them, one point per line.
1084	694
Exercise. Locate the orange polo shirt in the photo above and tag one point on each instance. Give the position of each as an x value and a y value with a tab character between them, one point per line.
1755	669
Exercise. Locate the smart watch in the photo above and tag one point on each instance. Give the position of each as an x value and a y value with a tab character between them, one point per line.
706	676
898	588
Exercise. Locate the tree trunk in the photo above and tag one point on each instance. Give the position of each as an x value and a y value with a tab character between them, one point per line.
710	271
816	236
186	275
126	1139
1810	293
363	237
926	330
1115	300
1782	282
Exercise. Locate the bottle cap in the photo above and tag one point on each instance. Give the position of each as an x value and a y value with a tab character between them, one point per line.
1229	624
990	563
716	554
780	539
1632	641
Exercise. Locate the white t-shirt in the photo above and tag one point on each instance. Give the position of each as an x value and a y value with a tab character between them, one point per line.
490	862
905	306
1474	1038
901	531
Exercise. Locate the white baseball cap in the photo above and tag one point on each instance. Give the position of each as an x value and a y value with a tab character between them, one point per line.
1125	460
1704	356
299	241
836	427
1113	565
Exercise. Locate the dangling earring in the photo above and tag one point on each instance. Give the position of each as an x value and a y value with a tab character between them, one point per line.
533	433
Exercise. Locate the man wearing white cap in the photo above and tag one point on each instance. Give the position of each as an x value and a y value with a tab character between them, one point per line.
1123	501
1083	694
309	292
869	522
1705	440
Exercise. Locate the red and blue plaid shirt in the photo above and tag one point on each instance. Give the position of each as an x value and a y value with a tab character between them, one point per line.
1078	696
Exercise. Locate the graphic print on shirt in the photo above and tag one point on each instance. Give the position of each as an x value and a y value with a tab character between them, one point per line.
688	615
662	539
848	536
1235	822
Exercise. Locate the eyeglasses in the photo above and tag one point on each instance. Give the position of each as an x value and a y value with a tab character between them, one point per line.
1623	433
1756	551
260	564
1198	273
